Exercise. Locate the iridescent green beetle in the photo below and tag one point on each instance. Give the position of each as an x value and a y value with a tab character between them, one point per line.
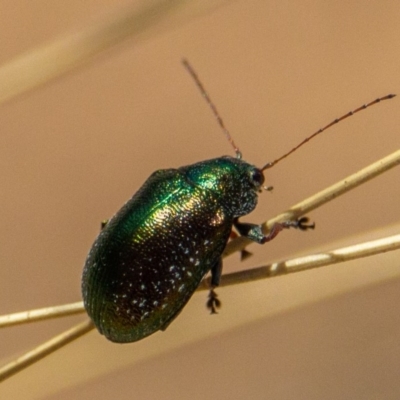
150	257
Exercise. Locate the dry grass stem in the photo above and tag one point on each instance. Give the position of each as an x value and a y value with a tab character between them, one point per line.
45	349
308	262
299	264
41	314
47	62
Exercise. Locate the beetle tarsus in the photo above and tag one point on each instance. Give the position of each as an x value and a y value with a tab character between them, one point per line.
213	302
301	223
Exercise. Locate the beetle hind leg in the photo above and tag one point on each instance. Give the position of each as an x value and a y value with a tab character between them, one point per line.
213	303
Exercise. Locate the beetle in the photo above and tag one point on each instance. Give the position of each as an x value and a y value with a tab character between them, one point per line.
150	257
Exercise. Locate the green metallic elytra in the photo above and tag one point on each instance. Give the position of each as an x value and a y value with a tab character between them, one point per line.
150	257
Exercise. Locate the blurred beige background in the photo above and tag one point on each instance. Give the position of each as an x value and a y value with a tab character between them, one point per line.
73	151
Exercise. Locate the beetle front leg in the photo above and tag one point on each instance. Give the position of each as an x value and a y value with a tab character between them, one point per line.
213	302
254	232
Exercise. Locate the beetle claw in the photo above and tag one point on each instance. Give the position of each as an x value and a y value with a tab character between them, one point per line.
302	224
213	302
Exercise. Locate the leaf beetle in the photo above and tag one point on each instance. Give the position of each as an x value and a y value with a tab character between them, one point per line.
150	257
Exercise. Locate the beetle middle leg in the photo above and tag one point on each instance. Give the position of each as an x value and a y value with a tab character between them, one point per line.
255	233
213	302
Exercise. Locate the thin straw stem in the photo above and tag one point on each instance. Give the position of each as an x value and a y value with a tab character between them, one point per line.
41	314
308	262
45	349
46	62
299	264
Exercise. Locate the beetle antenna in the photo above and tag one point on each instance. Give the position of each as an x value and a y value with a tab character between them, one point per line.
349	114
204	93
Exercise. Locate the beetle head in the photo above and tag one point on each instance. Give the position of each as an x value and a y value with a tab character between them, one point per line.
231	181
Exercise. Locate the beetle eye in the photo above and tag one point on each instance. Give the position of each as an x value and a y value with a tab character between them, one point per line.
257	177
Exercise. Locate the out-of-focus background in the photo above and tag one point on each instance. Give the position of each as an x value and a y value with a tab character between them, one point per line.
74	150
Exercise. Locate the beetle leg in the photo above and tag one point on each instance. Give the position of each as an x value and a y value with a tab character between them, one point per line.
216	272
213	302
302	224
255	233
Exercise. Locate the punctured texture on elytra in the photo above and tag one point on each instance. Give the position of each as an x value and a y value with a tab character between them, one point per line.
150	257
